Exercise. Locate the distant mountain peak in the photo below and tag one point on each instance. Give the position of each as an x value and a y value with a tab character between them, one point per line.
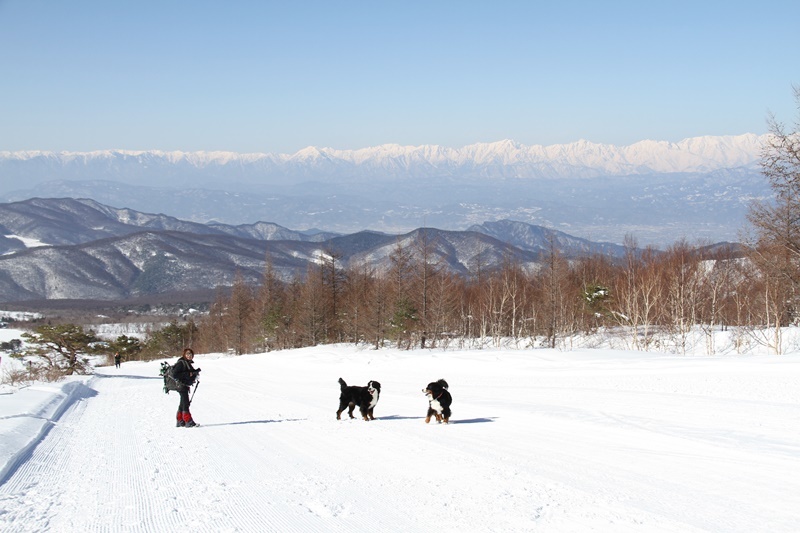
696	154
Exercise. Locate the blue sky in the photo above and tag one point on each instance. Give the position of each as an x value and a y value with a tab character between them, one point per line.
262	76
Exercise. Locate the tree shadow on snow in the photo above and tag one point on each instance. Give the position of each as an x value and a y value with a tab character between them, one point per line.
255	422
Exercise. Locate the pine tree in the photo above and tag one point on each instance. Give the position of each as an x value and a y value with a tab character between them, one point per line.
63	348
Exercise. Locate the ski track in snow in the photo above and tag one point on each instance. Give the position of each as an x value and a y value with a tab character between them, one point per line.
557	443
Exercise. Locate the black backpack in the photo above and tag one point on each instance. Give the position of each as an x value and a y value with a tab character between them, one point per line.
170	383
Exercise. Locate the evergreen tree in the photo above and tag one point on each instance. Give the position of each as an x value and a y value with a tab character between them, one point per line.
63	348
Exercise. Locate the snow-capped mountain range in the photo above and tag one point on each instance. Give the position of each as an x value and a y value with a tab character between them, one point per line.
504	159
657	192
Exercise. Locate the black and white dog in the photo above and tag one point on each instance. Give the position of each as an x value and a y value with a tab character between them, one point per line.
364	397
439	401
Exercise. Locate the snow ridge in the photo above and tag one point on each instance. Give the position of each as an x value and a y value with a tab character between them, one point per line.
504	158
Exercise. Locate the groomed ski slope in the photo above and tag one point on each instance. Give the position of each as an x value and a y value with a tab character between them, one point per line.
541	440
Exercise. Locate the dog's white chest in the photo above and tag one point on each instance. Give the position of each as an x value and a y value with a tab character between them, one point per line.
374	401
436	406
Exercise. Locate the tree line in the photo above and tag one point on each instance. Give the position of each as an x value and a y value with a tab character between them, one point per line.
650	296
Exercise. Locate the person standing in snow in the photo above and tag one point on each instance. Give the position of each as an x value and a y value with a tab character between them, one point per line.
185	373
117	359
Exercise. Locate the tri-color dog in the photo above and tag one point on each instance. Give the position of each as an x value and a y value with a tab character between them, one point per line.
439	401
364	397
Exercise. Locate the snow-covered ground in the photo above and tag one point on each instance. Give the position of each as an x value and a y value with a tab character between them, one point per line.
540	440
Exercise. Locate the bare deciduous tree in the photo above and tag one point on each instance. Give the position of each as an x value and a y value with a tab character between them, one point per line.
776	224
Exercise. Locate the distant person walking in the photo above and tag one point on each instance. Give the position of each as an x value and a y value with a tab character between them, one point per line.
185	373
117	359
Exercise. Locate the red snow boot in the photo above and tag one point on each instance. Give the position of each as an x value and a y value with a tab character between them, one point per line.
187	420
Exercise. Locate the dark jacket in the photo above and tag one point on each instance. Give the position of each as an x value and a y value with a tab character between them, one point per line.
184	372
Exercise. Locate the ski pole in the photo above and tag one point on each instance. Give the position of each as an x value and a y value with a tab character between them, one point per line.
195	390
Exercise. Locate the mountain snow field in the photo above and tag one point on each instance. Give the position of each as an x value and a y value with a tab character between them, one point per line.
695	154
539	440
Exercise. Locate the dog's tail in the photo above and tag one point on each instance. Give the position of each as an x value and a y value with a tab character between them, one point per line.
443	383
342	383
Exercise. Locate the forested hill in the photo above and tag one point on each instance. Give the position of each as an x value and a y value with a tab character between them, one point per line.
81	249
